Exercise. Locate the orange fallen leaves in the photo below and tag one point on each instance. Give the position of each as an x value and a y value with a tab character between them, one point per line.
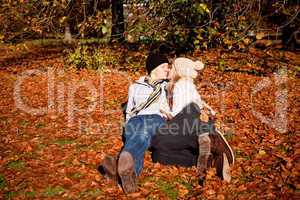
267	162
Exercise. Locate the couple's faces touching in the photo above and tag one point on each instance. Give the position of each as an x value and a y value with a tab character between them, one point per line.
163	71
172	73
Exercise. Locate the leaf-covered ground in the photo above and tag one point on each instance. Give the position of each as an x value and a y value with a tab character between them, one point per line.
55	155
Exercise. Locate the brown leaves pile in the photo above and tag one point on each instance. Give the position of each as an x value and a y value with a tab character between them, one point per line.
43	157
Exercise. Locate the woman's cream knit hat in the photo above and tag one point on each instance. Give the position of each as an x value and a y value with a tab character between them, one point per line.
186	67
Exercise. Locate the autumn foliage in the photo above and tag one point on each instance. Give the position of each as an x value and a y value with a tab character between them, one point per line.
50	156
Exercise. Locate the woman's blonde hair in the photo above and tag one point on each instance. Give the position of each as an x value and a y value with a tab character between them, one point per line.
170	87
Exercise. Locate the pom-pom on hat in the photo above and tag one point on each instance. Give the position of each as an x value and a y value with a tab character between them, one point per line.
186	67
154	60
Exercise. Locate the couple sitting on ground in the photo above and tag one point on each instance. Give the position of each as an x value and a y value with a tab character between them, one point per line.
163	113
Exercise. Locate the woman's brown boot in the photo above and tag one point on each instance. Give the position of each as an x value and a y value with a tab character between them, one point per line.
222	155
204	153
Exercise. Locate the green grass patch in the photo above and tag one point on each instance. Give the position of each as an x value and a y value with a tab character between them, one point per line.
63	142
282	149
98	144
18	165
30	194
40	125
257	171
67	163
53	191
91	193
241	154
86	147
76	175
83	147
184	183
41	147
149	179
245	178
10	195
167	188
229	135
23	123
2	181
28	155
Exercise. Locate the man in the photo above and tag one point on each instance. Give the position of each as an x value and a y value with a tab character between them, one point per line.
143	117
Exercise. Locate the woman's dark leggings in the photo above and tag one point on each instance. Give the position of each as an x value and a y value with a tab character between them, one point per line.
176	142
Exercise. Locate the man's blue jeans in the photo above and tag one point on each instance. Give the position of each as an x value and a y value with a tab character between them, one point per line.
138	133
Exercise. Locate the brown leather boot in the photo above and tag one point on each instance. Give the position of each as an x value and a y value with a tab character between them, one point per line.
108	168
222	167
220	145
126	172
222	155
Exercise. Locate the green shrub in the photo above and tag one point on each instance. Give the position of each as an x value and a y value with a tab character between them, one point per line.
90	58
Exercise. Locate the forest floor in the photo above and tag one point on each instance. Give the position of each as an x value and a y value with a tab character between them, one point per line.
57	124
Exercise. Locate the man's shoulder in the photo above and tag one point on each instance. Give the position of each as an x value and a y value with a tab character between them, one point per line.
138	83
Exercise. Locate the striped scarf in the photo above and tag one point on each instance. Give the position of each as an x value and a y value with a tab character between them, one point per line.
156	85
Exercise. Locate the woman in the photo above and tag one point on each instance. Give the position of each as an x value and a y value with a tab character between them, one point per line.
186	140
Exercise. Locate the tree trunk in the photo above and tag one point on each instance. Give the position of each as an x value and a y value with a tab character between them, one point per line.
118	28
68	35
